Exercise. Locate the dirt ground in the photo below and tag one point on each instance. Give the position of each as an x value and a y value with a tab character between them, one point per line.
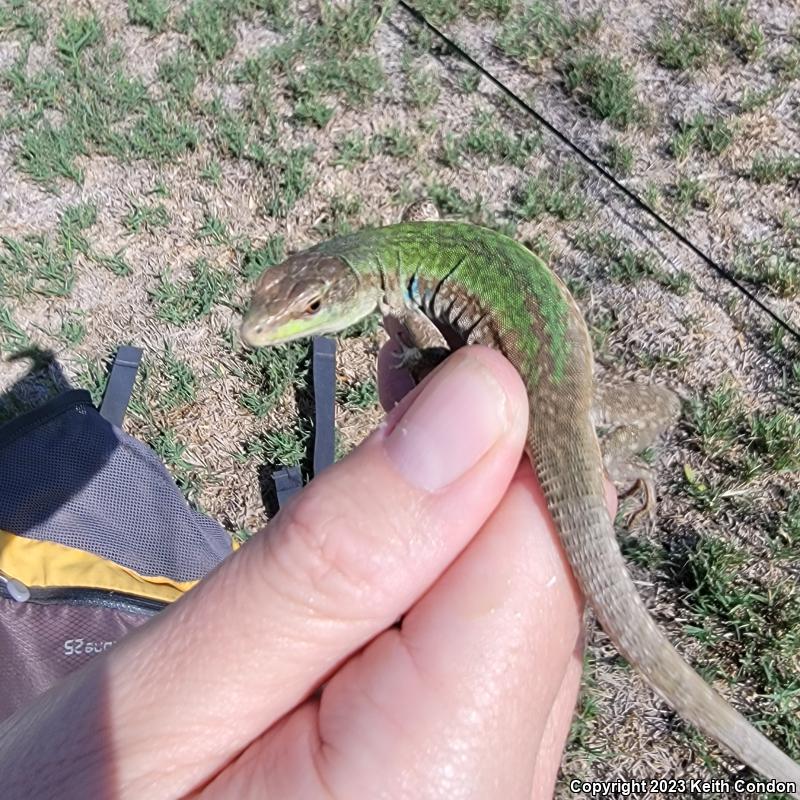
155	155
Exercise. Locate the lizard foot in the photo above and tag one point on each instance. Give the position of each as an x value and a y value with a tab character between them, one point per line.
646	511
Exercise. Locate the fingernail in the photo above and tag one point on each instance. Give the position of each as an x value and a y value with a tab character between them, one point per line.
456	418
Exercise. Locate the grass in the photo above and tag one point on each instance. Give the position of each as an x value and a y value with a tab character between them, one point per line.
714	30
72	330
178	383
290	175
713	135
12	337
20	15
682	49
151	14
209	25
557	194
539	30
337	221
184	301
691	193
748	445
623	263
179	74
78	32
269	373
174	453
605	86
775	169
214	230
350	150
767	264
358	395
752	623
146	217
728	24
422	87
618	158
34	264
487	137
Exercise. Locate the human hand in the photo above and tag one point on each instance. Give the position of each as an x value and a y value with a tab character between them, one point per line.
282	674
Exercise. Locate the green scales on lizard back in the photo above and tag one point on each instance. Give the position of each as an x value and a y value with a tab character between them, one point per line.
452	284
436	258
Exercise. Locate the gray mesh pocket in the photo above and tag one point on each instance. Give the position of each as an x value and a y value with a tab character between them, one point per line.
67	475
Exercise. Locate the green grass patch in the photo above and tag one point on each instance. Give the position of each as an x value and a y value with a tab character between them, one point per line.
290	176
21	15
12	337
359	395
174	453
691	193
213	229
34	264
212	173
269	372
714	135
179	74
339	218
680	49
538	30
146	217
605	86
487	137
209	25
49	152
730	25
74	221
72	330
422	87
774	169
183	301
176	382
618	157
149	13
555	193
768	264
350	150
621	262
77	33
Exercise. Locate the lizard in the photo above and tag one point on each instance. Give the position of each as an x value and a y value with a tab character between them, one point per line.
452	284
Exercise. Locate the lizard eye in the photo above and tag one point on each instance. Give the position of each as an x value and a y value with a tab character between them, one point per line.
313	306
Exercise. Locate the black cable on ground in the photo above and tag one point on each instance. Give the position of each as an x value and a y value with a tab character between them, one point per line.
600	168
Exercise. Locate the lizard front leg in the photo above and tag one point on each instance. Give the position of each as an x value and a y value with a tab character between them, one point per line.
629	418
423	346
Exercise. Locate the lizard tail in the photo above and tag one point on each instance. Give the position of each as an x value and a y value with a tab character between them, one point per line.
568	462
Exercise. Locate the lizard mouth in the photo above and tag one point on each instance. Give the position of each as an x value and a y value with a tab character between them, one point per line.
253	332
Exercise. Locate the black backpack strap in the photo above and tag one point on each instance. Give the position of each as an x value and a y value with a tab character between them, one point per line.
120	384
324	402
288	480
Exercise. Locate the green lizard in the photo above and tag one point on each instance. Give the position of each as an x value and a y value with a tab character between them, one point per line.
452	284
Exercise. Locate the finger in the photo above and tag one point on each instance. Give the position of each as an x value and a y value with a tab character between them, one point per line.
342	561
464	690
554	738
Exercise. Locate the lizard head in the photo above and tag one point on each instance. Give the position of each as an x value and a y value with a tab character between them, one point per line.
308	293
